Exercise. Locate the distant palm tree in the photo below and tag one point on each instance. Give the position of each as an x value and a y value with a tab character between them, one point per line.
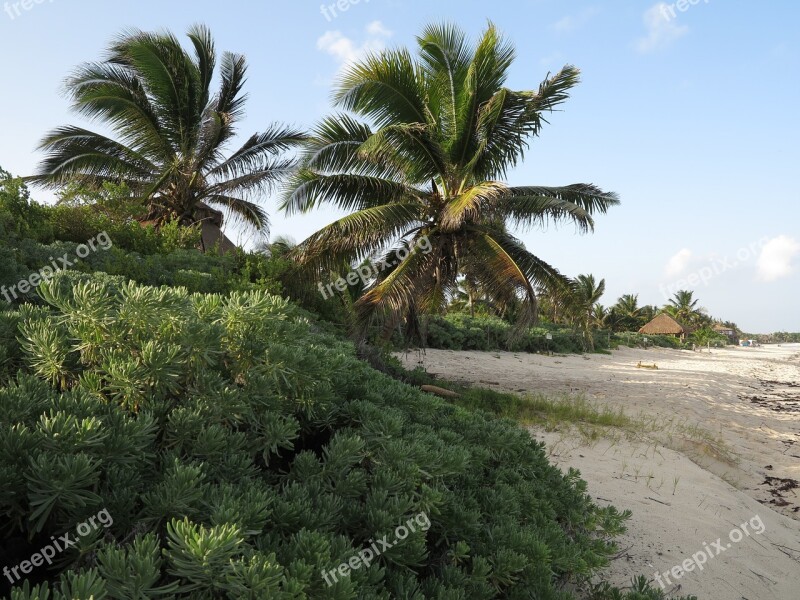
465	296
599	316
581	305
627	314
588	292
171	131
684	308
442	132
648	312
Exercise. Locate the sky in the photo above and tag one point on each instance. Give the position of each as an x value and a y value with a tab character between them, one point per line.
687	110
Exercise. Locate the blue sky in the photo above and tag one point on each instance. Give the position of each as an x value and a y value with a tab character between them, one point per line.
690	115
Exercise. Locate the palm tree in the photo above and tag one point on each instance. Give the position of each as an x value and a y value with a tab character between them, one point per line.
684	308
626	313
438	133
588	293
683	303
465	296
599	316
581	305
648	312
170	131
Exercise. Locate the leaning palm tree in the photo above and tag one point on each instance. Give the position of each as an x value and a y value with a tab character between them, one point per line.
170	131
437	135
588	293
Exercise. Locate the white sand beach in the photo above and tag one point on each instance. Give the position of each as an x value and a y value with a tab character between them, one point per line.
686	488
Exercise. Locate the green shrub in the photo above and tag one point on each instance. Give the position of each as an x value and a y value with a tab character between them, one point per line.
196	271
459	331
241	455
19	216
709	337
10	352
637	340
80	223
640	590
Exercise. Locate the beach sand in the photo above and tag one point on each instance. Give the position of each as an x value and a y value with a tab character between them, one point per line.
686	487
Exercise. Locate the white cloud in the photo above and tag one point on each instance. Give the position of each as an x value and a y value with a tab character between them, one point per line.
573	22
376	28
678	263
776	257
661	28
346	50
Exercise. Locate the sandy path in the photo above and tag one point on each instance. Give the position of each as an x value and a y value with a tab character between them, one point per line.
679	506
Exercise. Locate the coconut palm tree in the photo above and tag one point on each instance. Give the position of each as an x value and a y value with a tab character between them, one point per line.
170	131
465	296
684	308
437	135
626	313
581	305
648	312
599	316
683	303
588	293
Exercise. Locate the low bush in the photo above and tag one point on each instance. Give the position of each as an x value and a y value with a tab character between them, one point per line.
243	456
459	331
637	340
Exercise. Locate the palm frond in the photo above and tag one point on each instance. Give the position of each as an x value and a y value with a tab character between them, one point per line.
411	147
206	56
486	74
422	281
76	153
308	189
445	56
537	205
387	88
241	210
358	236
115	94
230	100
254	155
480	200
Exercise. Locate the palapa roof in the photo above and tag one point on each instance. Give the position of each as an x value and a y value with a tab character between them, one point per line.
664	324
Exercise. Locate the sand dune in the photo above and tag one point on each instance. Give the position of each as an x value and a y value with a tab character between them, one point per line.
685	491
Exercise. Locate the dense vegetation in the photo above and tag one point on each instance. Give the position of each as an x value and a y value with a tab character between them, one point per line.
459	331
779	337
258	454
240	451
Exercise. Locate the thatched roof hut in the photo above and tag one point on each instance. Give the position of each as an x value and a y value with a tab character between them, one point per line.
665	324
729	332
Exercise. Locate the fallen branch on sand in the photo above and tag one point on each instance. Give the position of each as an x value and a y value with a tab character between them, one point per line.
659	501
641	366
